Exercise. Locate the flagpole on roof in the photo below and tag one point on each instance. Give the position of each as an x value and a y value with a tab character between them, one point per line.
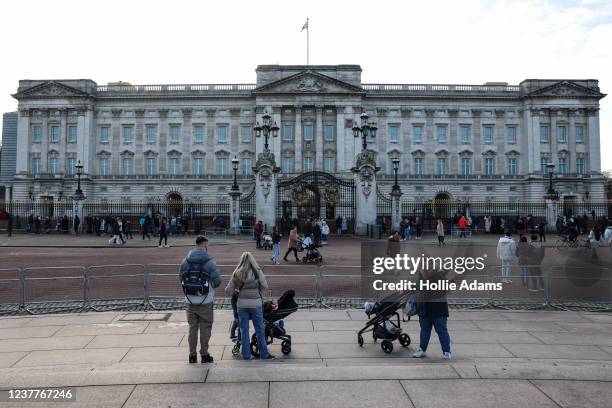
306	26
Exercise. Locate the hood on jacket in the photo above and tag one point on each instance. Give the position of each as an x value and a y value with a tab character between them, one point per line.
197	256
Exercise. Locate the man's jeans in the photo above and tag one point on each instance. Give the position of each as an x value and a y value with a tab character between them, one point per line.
256	315
276	252
199	317
439	323
506	267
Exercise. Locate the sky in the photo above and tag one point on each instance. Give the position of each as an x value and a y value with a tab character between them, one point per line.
461	41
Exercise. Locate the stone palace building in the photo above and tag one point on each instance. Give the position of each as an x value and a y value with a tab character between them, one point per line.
177	141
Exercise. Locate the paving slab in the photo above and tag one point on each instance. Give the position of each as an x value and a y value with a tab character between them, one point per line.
587	328
71	319
135	340
572	338
468	336
520	325
301	351
592	394
8	359
543	316
45	343
487	393
558	351
28	332
598	317
182	327
320	315
537	370
154	354
476	315
8	322
107	396
97	329
325	394
200	395
66	357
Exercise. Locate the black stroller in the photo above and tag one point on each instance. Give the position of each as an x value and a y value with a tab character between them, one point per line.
312	253
286	306
383	325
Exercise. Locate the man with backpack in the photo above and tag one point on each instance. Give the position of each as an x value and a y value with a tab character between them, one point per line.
199	276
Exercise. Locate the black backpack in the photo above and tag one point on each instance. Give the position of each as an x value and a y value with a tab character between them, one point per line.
196	281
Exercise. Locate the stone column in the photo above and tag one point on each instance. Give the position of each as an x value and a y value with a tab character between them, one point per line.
235	212
594	160
396	210
44	150
23	142
63	142
341	166
318	135
297	133
551	214
266	174
365	191
77	209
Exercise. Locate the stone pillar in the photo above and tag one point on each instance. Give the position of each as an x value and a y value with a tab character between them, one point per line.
235	212
365	191
63	142
77	209
297	134
44	150
318	138
341	165
23	142
594	161
396	210
266	174
551	213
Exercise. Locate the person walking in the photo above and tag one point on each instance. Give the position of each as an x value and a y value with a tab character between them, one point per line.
487	224
440	232
248	281
9	225
146	224
324	231
506	252
275	246
536	256
76	224
198	267
463	225
294	238
258	232
163	234
116	232
542	230
127	228
523	253
344	225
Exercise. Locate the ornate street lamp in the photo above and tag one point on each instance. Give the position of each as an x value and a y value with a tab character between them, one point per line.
78	194
366	129
552	194
267	129
235	162
396	187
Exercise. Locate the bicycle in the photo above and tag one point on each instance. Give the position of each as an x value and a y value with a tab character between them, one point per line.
578	243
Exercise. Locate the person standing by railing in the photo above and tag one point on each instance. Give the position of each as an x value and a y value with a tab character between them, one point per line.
163	234
275	246
506	252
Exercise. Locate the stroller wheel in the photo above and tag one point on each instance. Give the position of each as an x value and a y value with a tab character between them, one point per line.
404	340
360	340
386	346
236	350
254	346
286	347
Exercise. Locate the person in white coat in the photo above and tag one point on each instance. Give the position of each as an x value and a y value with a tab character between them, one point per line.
506	252
608	235
324	231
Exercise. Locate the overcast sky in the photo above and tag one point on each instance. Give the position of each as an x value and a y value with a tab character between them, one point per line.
466	41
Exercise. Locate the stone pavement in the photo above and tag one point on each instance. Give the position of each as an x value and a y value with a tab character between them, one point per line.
500	359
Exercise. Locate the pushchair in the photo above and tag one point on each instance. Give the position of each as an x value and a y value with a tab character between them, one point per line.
273	330
312	254
385	324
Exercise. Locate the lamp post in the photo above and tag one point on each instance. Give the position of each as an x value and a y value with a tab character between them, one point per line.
396	187
366	129
235	162
78	194
266	129
552	194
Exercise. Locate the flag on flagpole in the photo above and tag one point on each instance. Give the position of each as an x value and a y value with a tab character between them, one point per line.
305	26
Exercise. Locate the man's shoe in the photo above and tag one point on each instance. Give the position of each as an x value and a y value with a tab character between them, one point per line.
269	357
207	359
446	355
193	358
419	354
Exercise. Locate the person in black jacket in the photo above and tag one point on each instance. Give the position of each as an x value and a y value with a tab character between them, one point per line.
432	309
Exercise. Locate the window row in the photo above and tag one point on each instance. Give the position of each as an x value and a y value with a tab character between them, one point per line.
441	133
562	135
53	134
465	166
222	166
53	166
308	164
563	165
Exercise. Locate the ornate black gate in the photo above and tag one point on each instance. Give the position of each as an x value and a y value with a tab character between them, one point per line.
316	194
247	209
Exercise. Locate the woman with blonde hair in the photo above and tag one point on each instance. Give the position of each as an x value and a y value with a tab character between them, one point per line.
246	285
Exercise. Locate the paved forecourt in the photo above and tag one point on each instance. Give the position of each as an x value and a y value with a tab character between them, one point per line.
125	359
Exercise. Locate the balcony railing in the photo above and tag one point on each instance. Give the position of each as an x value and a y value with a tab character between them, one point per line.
445	90
179	89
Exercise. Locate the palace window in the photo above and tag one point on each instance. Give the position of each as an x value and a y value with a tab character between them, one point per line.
36	166
55	130
104	134
580	165
175	134
489	166
70	163
511	134
222	134
487	135
36	134
308	163
308	132
544	165
394	134
247	166
562	134
442	166
222	166
72	134
175	166
288	165
465	134
287	132
329	164
198	166
245	133
127	165
151	134
418	133
466	166
418	166
329	133
544	134
562	165
198	134
128	134
512	166
151	166
579	133
104	166
441	134
53	165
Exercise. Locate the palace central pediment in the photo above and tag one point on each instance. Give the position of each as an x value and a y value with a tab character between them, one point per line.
50	89
308	82
566	89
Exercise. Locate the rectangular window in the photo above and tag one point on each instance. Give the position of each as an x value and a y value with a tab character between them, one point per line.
442	166
489	169
222	166
128	167
512	166
246	134
72	134
128	134
55	131
329	133
418	166
394	134
487	135
36	134
53	165
104	167
544	165
465	134
308	132
36	166
544	133
466	166
287	132
418	134
222	134
580	165
562	134
511	134
288	165
308	164
562	165
175	134
151	166
441	134
247	166
329	164
175	166
70	163
579	133
151	134
199	134
198	166
104	134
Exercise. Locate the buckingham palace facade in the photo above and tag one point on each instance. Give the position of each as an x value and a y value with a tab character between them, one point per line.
178	141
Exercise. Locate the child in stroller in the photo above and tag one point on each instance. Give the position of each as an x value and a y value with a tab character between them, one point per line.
274	325
266	240
383	325
312	253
